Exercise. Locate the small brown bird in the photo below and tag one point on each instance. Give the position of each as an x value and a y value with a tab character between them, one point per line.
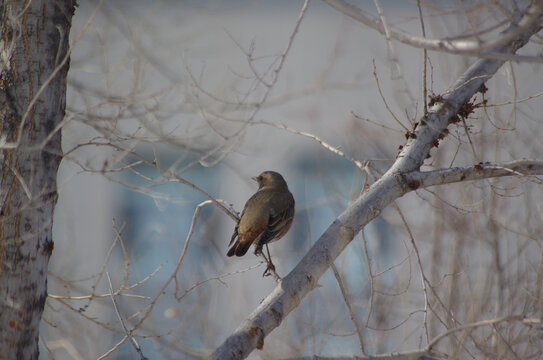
266	217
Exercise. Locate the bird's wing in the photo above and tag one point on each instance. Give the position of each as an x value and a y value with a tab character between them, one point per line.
279	221
234	235
236	229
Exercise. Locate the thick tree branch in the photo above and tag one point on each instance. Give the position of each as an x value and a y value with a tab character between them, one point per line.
392	185
417	179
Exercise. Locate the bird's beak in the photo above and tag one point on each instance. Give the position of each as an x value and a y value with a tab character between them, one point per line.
255	178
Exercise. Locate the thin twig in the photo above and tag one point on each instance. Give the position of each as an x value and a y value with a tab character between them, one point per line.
371	279
419	261
324	144
519	318
177	266
466	130
489	49
116	308
384	99
349	308
216	278
425	61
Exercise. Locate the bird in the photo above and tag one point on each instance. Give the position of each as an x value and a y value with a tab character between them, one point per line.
266	217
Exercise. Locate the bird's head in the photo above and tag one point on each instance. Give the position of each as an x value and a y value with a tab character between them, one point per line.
269	179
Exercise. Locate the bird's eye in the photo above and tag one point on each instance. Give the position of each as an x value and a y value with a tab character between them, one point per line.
259	178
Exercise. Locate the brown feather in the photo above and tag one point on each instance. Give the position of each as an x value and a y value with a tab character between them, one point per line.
266	217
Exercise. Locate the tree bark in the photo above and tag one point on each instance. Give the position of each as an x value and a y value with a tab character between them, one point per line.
35	61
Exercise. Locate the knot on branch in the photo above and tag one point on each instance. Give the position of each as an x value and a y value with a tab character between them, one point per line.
346	232
406	184
255	333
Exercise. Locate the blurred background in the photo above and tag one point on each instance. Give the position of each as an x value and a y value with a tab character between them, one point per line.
197	90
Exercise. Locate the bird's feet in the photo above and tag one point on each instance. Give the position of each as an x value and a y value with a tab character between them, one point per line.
270	268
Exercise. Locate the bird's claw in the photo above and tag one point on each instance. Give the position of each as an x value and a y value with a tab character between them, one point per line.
269	269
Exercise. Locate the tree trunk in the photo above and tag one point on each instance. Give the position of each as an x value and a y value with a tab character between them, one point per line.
34	65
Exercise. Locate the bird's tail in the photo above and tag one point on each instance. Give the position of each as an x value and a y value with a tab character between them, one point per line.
239	248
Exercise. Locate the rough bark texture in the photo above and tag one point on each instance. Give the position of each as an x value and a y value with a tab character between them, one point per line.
34	64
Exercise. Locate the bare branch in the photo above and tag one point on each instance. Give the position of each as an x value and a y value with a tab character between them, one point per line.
121	320
486	49
392	185
490	322
349	308
480	171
